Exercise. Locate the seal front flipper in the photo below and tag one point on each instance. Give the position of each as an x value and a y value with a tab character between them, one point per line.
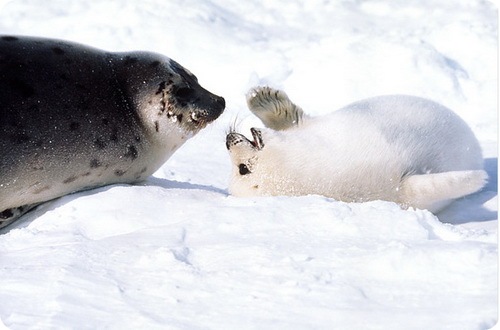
274	108
435	191
8	216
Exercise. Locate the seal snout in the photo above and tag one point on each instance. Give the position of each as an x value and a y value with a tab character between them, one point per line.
189	93
233	139
220	102
206	111
217	107
212	106
194	107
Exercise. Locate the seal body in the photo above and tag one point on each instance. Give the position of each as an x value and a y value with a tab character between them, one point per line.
405	149
74	117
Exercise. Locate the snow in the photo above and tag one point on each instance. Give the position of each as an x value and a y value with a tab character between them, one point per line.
177	252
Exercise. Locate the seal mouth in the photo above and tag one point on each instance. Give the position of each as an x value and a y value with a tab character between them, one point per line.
233	139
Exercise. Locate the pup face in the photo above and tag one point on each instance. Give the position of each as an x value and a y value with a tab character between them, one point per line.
245	159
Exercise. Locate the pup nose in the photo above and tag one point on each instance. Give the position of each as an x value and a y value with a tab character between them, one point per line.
233	139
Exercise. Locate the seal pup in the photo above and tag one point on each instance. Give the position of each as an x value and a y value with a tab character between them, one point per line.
74	117
404	149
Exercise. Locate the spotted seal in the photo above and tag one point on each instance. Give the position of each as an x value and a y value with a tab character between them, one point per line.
73	117
398	148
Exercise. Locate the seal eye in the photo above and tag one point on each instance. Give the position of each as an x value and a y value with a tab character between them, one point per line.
243	169
184	93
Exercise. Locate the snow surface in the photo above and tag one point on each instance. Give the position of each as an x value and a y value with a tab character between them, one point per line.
178	253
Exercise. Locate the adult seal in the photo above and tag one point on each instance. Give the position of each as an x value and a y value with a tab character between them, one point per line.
74	117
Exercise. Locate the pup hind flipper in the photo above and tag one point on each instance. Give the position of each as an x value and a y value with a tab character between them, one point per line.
274	108
435	191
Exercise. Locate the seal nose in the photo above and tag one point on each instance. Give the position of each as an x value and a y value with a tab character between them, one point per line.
233	139
220	102
217	106
230	140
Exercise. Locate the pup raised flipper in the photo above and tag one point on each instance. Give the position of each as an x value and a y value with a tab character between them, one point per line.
274	108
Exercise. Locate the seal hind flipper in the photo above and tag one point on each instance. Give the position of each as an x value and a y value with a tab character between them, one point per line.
434	191
274	108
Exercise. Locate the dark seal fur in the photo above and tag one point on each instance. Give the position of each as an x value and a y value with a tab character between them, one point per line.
74	117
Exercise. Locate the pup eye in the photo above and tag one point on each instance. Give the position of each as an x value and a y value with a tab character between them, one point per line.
243	169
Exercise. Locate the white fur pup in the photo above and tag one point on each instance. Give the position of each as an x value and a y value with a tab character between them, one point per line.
404	149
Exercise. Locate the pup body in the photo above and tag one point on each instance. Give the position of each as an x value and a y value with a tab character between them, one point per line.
404	149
